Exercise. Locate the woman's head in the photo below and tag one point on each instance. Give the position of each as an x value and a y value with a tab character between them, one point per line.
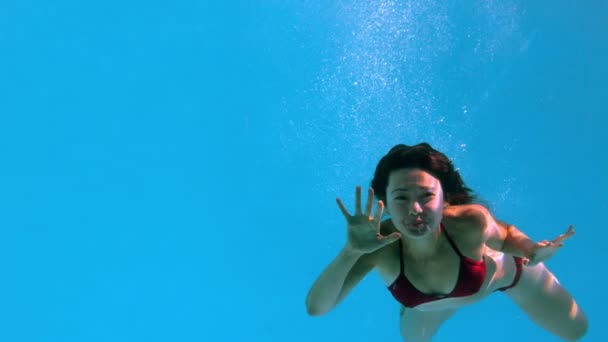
415	183
424	157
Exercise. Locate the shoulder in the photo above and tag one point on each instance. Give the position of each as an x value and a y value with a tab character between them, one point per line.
466	216
468	221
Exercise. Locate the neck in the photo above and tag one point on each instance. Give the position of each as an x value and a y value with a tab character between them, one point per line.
423	248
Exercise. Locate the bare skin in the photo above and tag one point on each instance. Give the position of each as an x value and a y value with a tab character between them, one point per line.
415	202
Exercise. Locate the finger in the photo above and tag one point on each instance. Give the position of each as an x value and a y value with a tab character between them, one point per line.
358	201
392	237
564	236
342	208
379	211
570	229
370	202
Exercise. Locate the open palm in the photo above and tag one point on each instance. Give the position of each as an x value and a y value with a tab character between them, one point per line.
545	249
364	229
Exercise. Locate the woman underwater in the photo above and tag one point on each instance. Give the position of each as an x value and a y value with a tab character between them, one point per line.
440	251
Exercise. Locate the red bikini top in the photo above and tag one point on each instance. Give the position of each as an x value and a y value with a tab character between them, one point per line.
470	278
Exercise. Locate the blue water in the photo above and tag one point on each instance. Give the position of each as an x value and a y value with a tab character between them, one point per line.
169	169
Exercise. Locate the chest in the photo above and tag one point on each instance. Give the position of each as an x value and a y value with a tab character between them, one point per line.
438	275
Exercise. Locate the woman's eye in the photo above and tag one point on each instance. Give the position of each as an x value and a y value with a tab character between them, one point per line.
428	196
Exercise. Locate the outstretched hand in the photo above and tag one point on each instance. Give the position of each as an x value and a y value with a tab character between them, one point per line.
364	229
545	249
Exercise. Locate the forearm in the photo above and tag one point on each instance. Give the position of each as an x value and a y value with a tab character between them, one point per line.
517	243
325	292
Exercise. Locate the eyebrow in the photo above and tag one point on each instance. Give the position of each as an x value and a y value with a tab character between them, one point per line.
427	188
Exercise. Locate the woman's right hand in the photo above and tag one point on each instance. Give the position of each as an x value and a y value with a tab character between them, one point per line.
363	229
544	250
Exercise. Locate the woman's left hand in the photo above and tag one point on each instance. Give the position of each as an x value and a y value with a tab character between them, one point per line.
545	249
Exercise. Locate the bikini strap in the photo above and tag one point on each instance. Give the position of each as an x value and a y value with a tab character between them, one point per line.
401	256
451	241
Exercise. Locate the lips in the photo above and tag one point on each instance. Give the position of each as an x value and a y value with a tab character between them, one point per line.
417	222
417	228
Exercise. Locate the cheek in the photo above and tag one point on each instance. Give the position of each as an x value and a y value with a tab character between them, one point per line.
395	209
434	207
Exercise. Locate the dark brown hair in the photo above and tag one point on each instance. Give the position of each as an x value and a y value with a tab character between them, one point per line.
424	157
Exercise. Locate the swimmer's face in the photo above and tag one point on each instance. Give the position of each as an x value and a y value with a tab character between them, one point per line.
415	201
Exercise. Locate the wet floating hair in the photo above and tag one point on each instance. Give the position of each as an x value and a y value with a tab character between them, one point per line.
425	157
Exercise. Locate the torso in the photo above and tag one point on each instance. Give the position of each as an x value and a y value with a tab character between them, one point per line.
438	275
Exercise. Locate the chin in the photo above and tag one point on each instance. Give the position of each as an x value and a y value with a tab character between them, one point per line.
417	232
421	232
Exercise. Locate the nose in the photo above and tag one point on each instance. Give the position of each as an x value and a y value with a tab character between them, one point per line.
415	208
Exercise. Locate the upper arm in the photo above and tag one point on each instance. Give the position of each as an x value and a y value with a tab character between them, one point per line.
477	223
494	234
